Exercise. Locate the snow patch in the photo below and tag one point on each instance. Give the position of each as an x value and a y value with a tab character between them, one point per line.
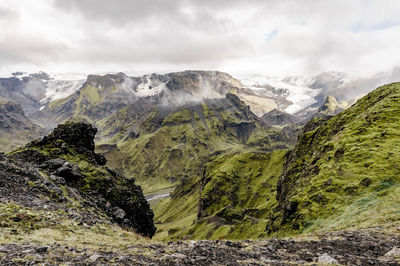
299	92
59	89
149	87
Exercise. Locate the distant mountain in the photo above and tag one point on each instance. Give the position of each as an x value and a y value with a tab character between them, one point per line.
102	96
307	94
33	91
15	128
331	107
279	118
59	95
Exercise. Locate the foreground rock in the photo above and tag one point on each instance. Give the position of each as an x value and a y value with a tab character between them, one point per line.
343	248
62	170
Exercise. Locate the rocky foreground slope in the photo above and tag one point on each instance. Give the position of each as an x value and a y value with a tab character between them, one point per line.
59	180
339	248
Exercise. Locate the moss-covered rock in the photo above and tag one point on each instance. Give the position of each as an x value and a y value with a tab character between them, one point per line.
68	153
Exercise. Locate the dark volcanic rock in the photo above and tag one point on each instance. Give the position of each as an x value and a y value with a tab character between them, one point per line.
67	156
77	135
69	171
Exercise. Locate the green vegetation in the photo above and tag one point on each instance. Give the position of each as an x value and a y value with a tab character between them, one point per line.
232	200
236	179
342	174
344	171
237	194
162	156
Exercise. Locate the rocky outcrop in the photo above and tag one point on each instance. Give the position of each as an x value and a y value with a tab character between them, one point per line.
67	156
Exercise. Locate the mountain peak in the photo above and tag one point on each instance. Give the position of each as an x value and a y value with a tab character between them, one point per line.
331	106
331	100
278	117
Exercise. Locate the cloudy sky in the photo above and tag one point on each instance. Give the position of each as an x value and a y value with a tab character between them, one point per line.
274	37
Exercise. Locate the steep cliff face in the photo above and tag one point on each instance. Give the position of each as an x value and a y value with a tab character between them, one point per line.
67	156
15	128
344	168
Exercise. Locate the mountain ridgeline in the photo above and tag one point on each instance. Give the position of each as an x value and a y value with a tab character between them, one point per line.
230	173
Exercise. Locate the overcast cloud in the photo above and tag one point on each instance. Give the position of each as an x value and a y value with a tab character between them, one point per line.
241	37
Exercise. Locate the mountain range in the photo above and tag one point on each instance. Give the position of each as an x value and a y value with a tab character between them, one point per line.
217	157
293	94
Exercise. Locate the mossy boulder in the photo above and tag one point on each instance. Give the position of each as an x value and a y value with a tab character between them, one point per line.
68	152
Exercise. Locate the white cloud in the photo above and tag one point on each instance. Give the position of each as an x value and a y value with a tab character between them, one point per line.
276	37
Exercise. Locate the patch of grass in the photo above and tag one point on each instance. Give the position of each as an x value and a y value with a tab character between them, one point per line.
21	225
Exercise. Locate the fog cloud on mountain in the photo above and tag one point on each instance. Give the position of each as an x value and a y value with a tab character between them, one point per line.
240	37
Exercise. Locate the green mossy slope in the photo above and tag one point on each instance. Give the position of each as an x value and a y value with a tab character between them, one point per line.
172	145
344	173
228	201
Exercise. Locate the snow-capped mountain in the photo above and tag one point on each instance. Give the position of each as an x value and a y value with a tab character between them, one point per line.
34	91
311	92
294	94
295	89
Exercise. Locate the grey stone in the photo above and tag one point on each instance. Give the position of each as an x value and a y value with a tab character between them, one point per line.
394	252
95	257
325	258
119	213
